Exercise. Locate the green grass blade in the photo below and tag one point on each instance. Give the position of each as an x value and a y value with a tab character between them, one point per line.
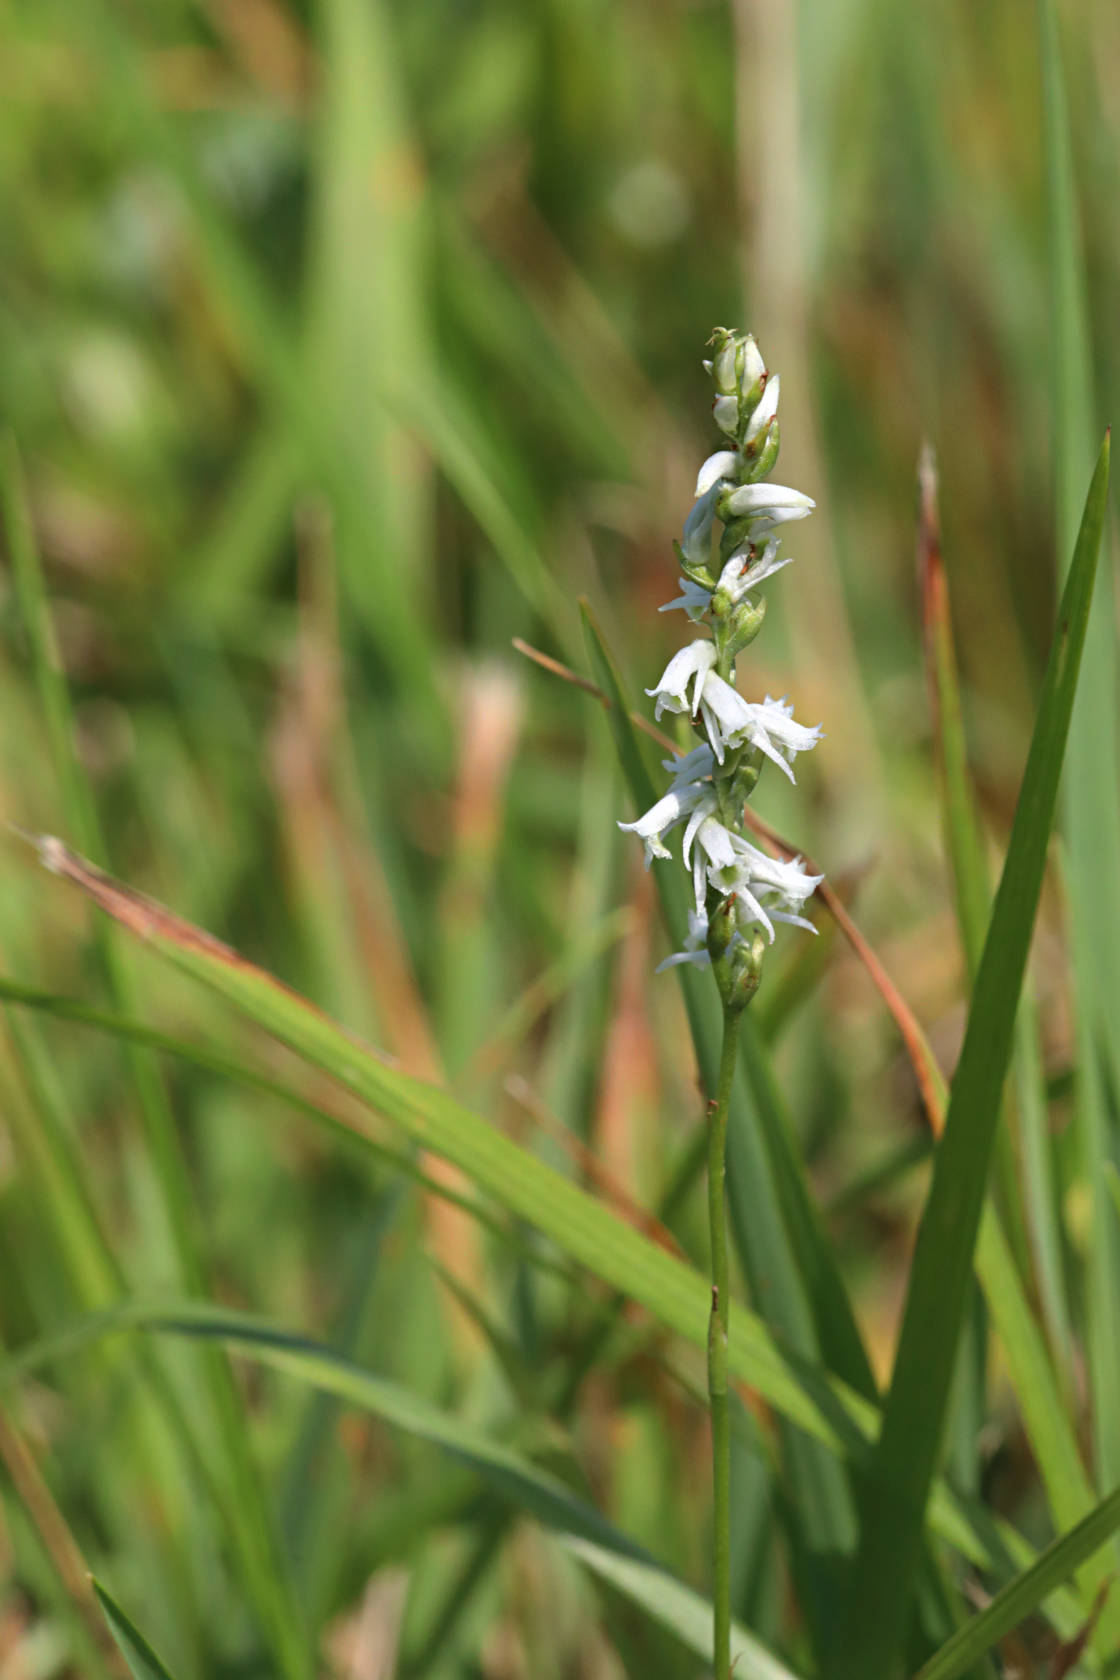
673	1292
1019	1598
1036	1379
677	1608
896	1489
251	1532
1092	795
508	1472
138	1654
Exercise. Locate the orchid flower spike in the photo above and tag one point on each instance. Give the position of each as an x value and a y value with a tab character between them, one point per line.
738	889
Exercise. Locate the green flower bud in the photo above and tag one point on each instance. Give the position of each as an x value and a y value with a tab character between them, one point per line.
744	624
767	444
745	964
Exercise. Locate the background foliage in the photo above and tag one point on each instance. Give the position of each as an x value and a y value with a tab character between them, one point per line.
342	344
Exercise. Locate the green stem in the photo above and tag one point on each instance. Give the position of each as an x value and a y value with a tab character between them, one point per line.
717	1350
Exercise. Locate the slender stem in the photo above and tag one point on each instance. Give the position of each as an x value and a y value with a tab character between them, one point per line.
717	1350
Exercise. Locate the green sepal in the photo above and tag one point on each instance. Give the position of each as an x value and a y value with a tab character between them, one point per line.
765	448
694	569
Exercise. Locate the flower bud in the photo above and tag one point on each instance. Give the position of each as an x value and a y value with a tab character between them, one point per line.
745	963
745	623
767	446
724	362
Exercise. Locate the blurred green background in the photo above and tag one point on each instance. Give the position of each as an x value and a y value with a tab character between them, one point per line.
342	344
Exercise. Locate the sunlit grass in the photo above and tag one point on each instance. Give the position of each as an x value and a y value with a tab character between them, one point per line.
339	347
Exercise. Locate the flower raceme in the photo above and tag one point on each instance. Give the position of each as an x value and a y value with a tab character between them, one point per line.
740	892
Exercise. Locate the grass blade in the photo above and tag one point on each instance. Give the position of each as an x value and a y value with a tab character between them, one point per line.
672	1291
896	1489
1020	1597
510	1473
250	1530
138	1654
1092	797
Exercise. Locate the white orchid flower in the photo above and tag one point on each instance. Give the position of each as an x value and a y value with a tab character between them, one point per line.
690	665
695	600
741	574
726	716
709	784
776	501
694	766
695	945
769	726
671	809
725	411
696	538
723	465
783	876
766	410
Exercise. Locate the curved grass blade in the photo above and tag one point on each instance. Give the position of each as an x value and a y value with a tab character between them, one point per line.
593	1539
138	1654
1092	795
676	1607
1001	1256
896	1487
671	1291
1022	1596
248	1520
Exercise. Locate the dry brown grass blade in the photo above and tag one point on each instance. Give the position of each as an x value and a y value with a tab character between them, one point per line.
926	1072
58	1541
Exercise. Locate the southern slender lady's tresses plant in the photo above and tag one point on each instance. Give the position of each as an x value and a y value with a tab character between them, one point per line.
740	892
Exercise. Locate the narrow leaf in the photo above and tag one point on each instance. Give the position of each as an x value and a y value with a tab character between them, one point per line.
597	1543
138	1654
1022	1596
897	1484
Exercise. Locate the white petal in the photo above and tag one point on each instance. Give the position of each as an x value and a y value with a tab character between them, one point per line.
696	538
699	880
762	741
694	822
769	498
658	818
726	413
724	463
766	410
695	600
699	959
794	921
753	365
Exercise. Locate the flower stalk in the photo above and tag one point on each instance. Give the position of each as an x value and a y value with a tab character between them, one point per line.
739	891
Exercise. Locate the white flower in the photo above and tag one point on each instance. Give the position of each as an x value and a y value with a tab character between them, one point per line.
777	501
761	879
665	815
782	876
694	766
726	715
690	665
713	853
695	946
753	365
769	726
726	413
740	575
766	410
725	463
695	600
696	539
722	368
